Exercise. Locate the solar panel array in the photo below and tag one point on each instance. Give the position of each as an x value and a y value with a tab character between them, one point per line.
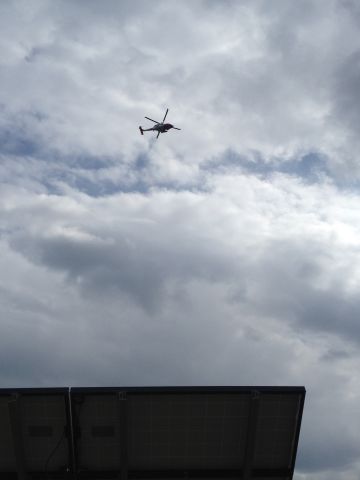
150	432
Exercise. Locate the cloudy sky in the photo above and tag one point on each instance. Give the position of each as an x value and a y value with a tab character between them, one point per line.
224	254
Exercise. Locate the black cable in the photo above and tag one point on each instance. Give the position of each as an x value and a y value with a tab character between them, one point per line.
52	453
60	440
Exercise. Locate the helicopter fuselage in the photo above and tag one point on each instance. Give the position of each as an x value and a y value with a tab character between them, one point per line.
162	127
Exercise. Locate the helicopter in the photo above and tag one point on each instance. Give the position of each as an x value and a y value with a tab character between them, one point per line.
159	127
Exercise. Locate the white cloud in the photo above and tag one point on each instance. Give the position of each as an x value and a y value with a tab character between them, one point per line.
226	253
253	78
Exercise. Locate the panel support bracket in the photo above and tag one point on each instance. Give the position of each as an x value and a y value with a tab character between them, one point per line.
123	420
251	434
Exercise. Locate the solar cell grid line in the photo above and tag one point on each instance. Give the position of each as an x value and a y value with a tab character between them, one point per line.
273	418
283	424
273	411
211	424
123	425
100	442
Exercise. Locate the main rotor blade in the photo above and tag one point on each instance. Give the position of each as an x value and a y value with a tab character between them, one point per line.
155	121
165	115
157	136
177	128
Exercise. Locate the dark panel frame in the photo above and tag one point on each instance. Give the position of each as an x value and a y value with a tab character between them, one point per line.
187	474
189	390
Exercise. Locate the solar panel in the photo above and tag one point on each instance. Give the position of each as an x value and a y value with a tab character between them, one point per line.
217	432
34	432
150	433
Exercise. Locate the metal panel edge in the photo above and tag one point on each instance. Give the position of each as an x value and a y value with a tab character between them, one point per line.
297	434
189	390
